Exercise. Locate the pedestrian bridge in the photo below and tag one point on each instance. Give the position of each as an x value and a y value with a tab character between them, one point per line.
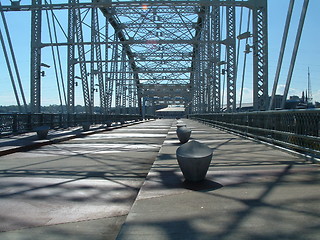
107	168
123	182
135	57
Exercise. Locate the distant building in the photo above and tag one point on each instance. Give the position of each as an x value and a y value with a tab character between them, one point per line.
294	102
276	101
172	111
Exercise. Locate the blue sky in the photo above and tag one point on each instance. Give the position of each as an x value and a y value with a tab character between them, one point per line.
309	51
308	55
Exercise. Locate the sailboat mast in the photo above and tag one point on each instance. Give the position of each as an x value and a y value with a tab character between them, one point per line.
309	96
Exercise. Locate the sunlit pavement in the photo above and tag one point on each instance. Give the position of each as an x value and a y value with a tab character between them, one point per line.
81	188
88	188
252	191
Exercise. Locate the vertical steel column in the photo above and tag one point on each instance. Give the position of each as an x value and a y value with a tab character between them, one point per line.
116	78
231	59
206	60
35	70
201	68
126	83
134	94
71	58
260	55
99	63
196	82
93	71
215	26
113	75
210	62
82	61
203	76
107	78
123	81
130	93
196	74
96	54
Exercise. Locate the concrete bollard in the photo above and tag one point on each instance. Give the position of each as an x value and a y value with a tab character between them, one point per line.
109	123
183	134
194	159
42	131
86	126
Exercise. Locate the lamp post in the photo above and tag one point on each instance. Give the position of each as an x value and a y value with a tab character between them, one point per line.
41	73
246	36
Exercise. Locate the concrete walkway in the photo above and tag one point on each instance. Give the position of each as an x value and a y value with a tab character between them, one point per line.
28	141
252	191
82	188
88	188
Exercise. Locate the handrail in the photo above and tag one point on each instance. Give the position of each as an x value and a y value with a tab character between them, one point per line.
298	130
15	123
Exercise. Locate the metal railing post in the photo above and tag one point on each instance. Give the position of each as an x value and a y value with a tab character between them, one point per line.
29	121
15	123
52	116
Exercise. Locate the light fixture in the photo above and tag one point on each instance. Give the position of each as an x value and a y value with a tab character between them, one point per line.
221	63
248	48
44	65
244	35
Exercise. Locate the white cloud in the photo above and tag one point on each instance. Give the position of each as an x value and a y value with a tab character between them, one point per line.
292	91
247	95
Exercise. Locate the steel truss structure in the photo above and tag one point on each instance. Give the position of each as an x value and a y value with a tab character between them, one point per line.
137	53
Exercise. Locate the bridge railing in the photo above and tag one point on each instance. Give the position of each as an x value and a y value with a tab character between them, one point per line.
294	129
20	122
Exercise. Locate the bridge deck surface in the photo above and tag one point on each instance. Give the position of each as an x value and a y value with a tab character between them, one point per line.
87	187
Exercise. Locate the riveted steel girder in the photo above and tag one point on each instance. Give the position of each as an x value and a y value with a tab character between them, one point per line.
260	55
35	71
71	59
231	59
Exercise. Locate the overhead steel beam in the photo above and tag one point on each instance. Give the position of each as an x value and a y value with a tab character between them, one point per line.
136	42
125	4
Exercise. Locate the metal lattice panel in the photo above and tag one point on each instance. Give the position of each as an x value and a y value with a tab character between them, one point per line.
83	67
260	54
215	25
96	68
231	59
152	43
71	57
35	72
